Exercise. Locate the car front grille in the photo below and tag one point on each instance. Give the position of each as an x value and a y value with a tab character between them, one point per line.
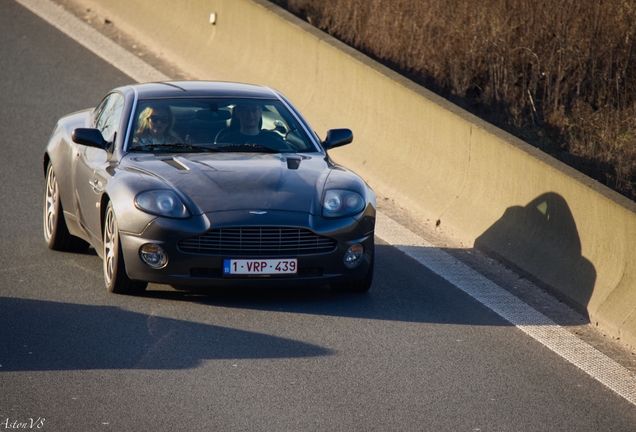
258	242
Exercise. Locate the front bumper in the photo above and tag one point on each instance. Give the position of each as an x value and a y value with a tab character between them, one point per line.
201	270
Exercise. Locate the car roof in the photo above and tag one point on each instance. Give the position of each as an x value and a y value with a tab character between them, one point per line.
180	89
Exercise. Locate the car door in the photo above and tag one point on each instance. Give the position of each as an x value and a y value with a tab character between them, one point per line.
90	176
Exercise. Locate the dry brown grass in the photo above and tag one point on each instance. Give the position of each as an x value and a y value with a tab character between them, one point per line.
559	74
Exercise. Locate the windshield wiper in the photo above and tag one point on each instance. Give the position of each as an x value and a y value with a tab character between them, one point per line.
260	148
171	146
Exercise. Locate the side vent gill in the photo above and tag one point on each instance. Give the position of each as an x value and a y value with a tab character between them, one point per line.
293	162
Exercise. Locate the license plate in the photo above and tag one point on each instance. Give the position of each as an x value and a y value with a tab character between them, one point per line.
259	266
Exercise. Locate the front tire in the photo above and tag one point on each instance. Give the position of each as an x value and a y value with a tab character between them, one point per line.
56	232
115	277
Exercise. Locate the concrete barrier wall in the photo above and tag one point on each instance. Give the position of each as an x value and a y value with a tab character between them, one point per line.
484	186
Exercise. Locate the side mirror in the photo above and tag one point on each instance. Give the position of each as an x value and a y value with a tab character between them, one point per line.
89	137
337	138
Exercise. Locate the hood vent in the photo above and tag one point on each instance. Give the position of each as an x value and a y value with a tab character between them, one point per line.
175	164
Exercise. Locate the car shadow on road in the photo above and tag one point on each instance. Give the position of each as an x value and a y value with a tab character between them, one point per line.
42	335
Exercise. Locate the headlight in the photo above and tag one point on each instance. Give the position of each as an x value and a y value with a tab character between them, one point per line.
162	203
339	203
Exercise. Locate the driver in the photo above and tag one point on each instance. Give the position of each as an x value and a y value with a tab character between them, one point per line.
249	117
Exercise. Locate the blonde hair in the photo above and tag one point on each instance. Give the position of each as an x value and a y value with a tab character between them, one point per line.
143	121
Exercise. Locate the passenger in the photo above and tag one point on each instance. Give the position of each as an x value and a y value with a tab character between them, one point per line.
155	127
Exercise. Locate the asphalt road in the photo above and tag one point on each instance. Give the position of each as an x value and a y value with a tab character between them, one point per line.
415	353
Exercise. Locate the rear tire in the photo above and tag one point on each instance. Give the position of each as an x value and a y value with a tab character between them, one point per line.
356	286
56	232
115	277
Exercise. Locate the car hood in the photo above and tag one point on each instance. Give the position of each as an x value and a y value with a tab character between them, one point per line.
238	181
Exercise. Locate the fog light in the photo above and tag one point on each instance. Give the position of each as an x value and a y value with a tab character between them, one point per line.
353	256
153	255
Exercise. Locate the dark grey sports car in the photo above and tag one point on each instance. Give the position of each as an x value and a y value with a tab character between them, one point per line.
197	184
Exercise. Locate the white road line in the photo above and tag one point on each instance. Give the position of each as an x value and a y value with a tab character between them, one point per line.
509	307
94	41
524	317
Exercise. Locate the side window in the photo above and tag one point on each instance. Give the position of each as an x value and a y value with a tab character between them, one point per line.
109	115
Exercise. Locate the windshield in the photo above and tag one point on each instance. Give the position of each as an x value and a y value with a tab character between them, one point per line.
216	124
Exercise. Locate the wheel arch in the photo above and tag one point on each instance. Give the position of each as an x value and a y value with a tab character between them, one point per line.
46	159
103	205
